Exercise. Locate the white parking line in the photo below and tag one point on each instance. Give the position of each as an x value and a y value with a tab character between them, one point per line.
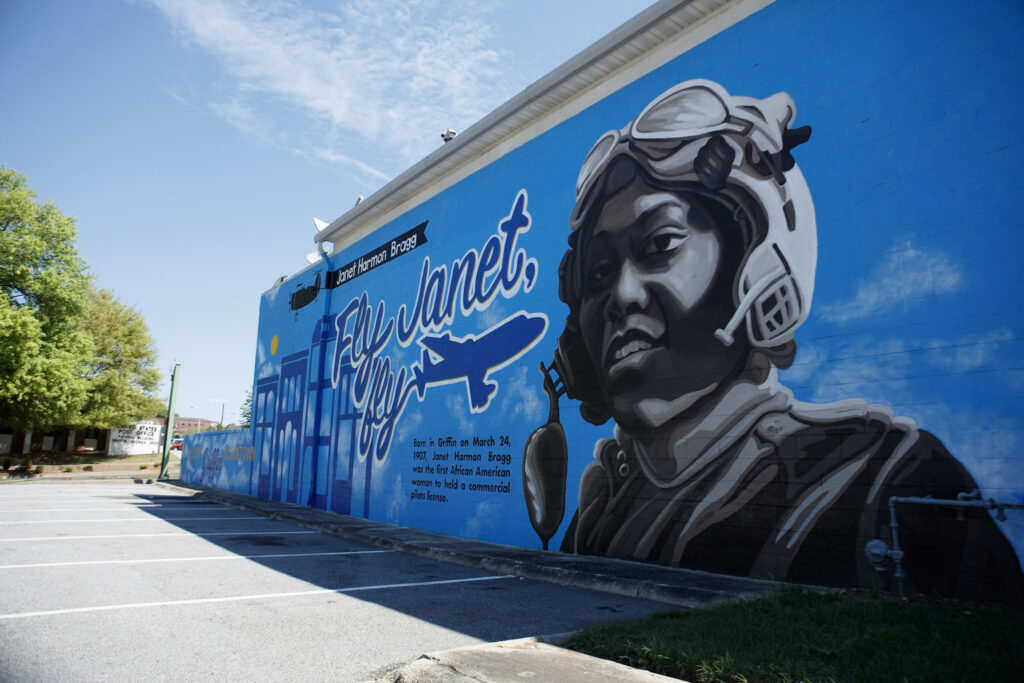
191	559
79	499
63	503
239	598
130	519
123	507
214	533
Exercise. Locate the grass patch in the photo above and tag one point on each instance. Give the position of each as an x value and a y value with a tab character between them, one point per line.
795	634
72	459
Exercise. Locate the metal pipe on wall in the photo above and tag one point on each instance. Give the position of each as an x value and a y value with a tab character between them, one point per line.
879	552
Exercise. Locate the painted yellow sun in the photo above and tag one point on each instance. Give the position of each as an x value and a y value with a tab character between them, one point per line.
273	345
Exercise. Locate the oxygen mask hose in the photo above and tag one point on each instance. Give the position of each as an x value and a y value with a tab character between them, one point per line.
545	462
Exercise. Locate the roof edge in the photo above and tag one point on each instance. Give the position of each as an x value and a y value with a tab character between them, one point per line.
461	150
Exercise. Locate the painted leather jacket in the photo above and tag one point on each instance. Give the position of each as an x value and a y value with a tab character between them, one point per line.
778	489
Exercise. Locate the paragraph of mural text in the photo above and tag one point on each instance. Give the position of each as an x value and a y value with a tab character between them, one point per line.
444	465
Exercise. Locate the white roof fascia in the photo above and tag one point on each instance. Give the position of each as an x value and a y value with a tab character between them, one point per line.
650	39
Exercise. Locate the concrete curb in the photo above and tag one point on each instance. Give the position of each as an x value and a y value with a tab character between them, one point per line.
678	587
87	476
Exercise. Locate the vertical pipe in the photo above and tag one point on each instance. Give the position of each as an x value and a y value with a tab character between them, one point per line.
168	433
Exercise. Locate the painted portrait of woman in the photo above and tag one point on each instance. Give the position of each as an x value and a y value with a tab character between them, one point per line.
691	265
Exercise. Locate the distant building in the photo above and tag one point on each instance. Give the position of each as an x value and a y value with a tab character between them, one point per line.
189	425
60	440
67	440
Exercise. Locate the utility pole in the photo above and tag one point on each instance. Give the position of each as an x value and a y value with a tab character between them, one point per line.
169	432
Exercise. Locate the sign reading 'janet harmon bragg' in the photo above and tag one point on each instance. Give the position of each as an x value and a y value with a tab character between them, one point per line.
375	258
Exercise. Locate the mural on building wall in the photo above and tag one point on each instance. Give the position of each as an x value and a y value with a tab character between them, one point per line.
223	460
691	264
398	379
326	411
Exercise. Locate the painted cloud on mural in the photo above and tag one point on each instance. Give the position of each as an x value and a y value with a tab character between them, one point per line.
904	275
520	397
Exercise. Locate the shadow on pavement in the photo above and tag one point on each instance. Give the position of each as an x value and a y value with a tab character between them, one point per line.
494	609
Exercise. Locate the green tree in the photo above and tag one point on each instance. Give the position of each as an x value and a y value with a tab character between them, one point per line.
44	353
122	372
70	355
245	412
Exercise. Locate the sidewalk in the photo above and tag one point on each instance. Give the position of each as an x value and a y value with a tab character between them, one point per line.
525	658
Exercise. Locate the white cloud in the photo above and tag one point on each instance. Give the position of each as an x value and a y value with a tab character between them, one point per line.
240	115
386	76
181	99
334	157
906	275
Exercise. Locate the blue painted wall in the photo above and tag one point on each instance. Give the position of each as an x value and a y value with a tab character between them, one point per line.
220	460
912	165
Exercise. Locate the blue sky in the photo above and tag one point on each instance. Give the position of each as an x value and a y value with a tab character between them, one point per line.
195	140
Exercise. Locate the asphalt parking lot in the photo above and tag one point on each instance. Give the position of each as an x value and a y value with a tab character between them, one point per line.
112	580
